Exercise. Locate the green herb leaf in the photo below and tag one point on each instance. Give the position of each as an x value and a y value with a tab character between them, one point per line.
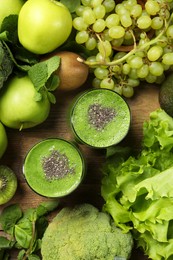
53	82
51	97
41	71
9	25
9	216
41	225
5	243
46	206
21	254
23	234
33	257
71	5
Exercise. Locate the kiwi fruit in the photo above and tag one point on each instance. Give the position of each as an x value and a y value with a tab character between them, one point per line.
8	184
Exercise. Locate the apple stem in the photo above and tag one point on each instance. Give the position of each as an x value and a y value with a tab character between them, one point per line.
21	127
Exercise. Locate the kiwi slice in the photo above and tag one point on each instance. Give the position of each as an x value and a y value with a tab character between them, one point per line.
8	184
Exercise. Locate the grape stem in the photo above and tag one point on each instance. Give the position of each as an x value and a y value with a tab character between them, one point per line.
135	49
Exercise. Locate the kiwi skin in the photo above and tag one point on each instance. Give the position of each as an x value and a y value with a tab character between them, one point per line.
8	184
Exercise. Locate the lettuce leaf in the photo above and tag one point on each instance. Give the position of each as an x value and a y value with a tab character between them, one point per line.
138	189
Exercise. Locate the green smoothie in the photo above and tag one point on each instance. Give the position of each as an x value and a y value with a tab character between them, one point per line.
100	118
54	167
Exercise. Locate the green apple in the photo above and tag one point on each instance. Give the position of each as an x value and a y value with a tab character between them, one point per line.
43	25
18	107
3	140
9	7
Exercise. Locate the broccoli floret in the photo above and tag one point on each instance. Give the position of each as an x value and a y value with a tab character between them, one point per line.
6	64
84	233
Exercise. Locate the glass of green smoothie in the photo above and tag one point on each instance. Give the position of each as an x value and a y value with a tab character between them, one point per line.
100	118
54	167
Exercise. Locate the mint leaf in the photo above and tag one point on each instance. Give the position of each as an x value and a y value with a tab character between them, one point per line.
41	71
51	97
9	216
5	243
9	25
53	82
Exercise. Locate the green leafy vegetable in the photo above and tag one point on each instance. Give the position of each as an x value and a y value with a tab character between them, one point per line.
24	229
43	77
6	64
138	189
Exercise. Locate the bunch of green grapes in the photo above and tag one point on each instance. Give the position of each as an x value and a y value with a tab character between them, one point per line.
128	43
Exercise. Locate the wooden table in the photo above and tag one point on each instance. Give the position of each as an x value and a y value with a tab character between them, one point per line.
19	142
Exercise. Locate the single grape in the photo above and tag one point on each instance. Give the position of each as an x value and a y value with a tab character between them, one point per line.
117	42
157	23
144	22
136	62
117	69
163	41
101	58
79	10
119	55
156	68
154	53
109	5
112	20
116	32
107	83
79	24
91	59
167	58
168	49
86	2
95	3
101	73
151	78
136	11
133	73
128	91
126	20
81	37
91	43
133	82
105	48
96	83
169	32
118	89
143	71
99	25
105	35
99	11
120	9
88	16
126	69
152	7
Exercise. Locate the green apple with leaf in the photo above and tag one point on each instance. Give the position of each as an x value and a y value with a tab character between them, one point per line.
18	104
3	140
43	25
9	7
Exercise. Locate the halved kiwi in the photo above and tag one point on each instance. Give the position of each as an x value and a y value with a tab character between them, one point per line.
8	184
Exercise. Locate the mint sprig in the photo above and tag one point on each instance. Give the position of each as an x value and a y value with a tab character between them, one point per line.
43	77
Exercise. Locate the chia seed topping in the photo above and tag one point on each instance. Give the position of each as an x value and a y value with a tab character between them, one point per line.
56	166
100	116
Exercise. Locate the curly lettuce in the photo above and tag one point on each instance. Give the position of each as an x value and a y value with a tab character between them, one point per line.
138	189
